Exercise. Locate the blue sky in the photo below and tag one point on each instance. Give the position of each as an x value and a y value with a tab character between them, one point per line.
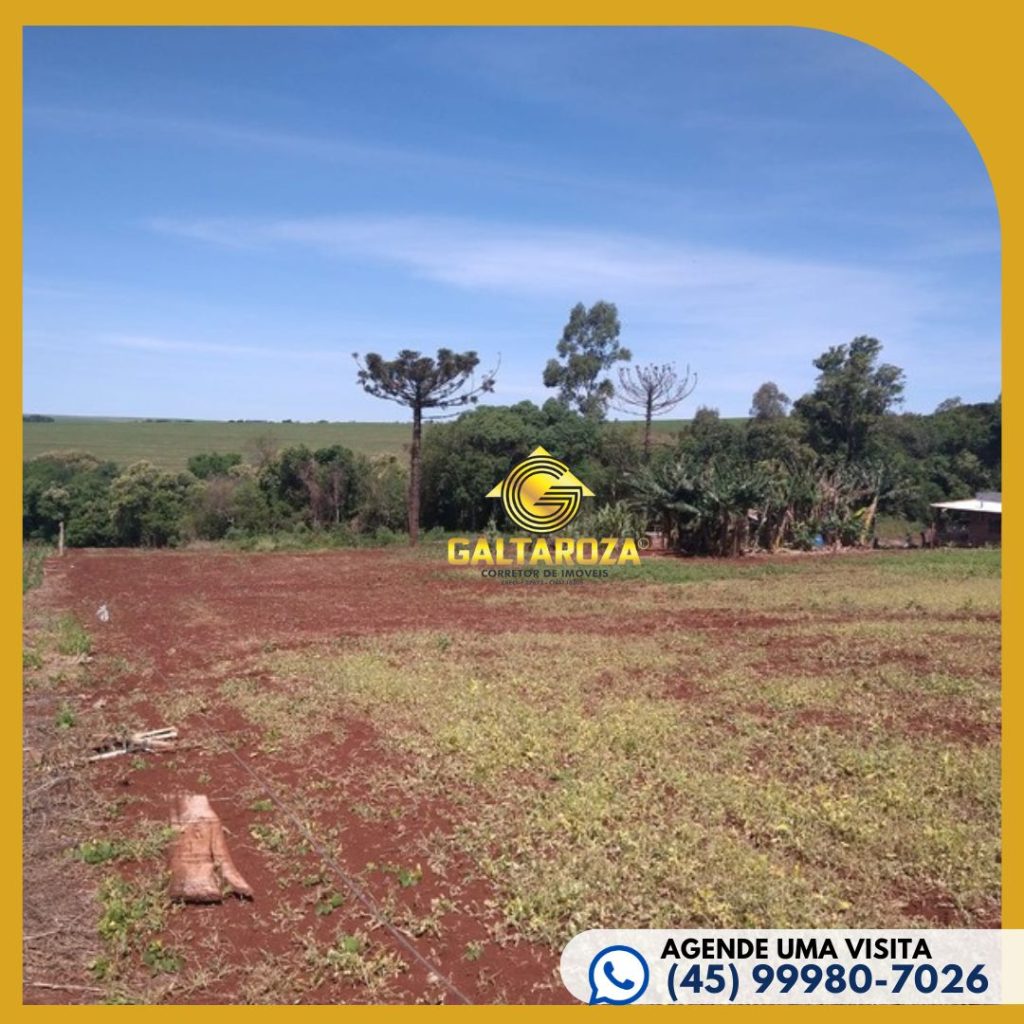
215	219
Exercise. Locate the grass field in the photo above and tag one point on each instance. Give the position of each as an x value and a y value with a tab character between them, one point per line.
169	443
810	741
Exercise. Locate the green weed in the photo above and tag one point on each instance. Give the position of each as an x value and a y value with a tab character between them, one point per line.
150	841
32	558
353	958
406	877
72	639
161	960
272	838
132	913
99	851
329	904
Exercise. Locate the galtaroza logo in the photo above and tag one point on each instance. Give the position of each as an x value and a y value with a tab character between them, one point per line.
542	495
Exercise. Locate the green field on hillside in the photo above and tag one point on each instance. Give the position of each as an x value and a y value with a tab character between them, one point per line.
169	443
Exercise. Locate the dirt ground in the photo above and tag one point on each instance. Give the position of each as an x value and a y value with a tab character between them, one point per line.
181	616
360	897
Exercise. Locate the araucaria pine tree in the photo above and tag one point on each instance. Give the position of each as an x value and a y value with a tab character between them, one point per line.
653	390
422	383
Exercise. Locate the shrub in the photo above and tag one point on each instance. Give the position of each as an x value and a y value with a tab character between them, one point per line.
213	507
210	464
321	488
385	496
618	519
148	505
69	486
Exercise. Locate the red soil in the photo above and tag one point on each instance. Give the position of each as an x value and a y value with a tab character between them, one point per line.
183	615
179	616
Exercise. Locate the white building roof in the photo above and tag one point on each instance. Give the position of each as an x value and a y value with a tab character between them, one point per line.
971	505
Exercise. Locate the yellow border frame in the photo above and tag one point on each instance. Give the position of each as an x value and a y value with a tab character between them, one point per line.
968	59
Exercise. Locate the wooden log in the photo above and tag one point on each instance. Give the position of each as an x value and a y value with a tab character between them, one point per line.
201	866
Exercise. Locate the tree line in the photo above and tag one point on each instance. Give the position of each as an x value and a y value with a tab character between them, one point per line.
821	468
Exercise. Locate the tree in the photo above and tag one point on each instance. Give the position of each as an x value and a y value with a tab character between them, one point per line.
850	397
769	403
209	464
653	389
384	496
777	438
419	382
148	505
213	507
463	459
321	489
338	477
72	486
263	448
708	436
589	347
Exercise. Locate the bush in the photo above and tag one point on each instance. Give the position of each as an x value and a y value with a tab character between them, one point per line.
148	505
321	488
385	496
213	508
618	519
208	464
69	486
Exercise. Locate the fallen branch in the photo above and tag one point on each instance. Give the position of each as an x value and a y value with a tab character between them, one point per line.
201	866
63	988
154	741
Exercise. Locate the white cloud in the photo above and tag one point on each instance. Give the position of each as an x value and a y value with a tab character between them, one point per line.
716	295
171	346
